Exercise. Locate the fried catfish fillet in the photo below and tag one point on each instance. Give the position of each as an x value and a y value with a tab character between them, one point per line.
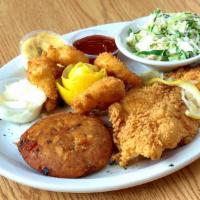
115	67
43	72
187	74
100	95
65	55
149	120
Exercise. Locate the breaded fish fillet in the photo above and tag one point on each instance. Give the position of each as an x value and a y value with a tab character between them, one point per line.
115	67
149	120
65	55
100	95
188	74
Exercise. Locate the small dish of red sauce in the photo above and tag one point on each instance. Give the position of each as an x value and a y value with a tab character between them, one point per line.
94	42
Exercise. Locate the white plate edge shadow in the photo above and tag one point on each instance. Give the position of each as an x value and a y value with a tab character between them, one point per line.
160	169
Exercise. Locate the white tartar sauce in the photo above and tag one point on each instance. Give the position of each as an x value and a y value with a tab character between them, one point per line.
20	101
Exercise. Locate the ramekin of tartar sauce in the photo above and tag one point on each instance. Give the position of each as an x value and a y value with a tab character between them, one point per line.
20	101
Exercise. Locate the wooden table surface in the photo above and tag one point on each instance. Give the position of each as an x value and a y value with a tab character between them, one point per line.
18	17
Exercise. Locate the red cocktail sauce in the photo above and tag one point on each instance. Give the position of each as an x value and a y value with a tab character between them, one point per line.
96	44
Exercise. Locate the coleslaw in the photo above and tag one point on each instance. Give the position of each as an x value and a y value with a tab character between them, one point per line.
167	36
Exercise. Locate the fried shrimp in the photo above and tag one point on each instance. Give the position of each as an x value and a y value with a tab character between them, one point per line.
65	55
42	72
115	67
99	95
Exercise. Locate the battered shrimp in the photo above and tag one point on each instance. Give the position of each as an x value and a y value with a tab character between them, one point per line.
43	73
65	55
115	67
100	95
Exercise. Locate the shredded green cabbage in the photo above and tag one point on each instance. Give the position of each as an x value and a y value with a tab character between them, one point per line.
167	36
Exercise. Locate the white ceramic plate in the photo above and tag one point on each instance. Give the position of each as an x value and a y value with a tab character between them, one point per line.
13	166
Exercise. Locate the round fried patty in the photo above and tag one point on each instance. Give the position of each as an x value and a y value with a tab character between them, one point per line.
66	145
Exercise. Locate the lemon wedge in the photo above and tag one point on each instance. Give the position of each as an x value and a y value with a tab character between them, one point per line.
76	79
80	76
66	94
82	68
190	95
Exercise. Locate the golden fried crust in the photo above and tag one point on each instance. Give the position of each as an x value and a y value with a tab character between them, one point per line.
42	72
115	67
99	95
50	104
187	74
66	145
65	55
149	120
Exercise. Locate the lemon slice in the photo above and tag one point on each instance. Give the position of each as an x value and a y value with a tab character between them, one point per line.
81	68
33	44
190	95
66	95
83	81
76	79
80	76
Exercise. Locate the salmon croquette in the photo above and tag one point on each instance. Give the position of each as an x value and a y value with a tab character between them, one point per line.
66	145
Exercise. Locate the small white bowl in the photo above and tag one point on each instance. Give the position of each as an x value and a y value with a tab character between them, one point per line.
16	111
90	32
164	66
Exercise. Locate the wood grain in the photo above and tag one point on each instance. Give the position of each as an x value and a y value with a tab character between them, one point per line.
17	17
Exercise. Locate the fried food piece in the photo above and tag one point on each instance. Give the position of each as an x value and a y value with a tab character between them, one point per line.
115	67
42	72
65	55
50	104
66	145
99	95
149	120
187	74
